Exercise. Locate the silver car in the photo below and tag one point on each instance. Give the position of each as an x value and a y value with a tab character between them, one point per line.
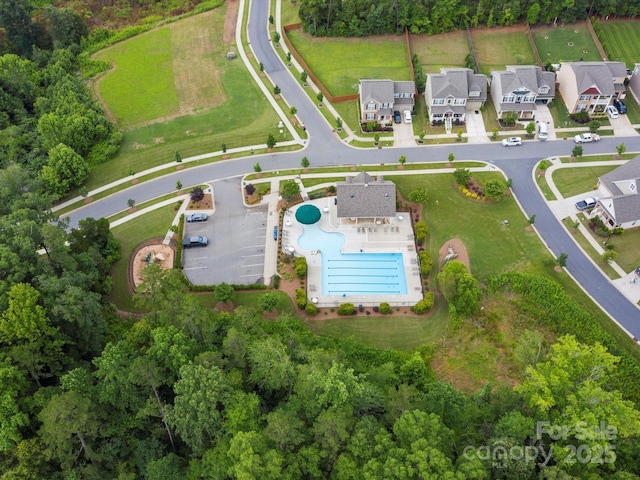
512	142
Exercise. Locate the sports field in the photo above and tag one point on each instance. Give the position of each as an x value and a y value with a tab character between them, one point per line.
498	47
565	43
340	63
168	72
437	51
620	40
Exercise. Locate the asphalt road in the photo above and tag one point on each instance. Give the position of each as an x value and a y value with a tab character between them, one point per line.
325	149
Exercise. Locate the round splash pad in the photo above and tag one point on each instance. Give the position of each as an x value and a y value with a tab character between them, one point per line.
308	214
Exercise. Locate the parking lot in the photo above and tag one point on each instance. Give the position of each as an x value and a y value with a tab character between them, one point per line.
236	234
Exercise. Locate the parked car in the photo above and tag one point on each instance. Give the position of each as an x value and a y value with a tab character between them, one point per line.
612	111
407	116
396	117
198	241
542	131
586	138
586	204
197	217
622	108
512	142
275	233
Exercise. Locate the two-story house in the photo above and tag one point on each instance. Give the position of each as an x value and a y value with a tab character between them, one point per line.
619	203
519	88
451	92
379	99
591	86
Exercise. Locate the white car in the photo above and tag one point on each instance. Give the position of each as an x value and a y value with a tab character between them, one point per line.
407	116
512	142
612	111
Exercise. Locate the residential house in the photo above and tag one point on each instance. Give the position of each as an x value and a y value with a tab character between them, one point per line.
520	87
634	81
380	98
451	92
619	202
591	86
364	197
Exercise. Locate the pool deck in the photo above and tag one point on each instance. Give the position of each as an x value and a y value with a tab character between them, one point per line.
389	235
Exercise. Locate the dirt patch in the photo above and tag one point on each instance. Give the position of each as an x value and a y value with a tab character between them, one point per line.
230	21
197	77
460	250
153	251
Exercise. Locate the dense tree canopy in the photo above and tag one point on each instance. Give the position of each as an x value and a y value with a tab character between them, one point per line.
355	18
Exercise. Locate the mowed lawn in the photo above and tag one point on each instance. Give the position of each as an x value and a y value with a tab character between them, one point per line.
437	51
498	47
140	87
568	43
170	71
574	180
340	63
620	39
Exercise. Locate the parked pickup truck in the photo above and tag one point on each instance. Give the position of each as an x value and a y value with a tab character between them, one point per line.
586	138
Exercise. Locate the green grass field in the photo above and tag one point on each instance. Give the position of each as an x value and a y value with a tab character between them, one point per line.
437	51
140	88
568	43
245	119
572	181
620	39
340	63
496	48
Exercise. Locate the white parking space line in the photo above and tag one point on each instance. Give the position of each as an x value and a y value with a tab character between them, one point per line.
252	265
195	268
249	256
197	258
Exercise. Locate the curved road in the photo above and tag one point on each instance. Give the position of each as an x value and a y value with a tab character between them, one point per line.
325	149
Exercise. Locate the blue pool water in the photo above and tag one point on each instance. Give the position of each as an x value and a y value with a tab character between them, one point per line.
354	273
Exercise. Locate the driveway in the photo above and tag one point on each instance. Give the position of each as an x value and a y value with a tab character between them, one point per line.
403	135
476	132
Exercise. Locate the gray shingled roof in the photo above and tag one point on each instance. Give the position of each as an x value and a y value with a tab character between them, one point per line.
363	196
626	171
598	74
406	86
376	90
625	207
531	77
458	82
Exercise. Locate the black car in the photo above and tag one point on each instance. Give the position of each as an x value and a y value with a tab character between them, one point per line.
199	241
621	107
197	217
396	117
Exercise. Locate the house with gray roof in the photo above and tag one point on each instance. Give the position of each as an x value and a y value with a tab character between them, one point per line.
634	81
380	98
365	197
591	86
619	205
451	92
520	87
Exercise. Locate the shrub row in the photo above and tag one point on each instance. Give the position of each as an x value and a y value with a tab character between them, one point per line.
421	232
301	298
300	266
426	262
424	305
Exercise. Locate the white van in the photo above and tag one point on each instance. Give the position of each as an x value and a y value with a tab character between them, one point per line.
542	131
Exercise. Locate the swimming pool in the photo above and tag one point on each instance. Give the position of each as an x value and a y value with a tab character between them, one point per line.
354	273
